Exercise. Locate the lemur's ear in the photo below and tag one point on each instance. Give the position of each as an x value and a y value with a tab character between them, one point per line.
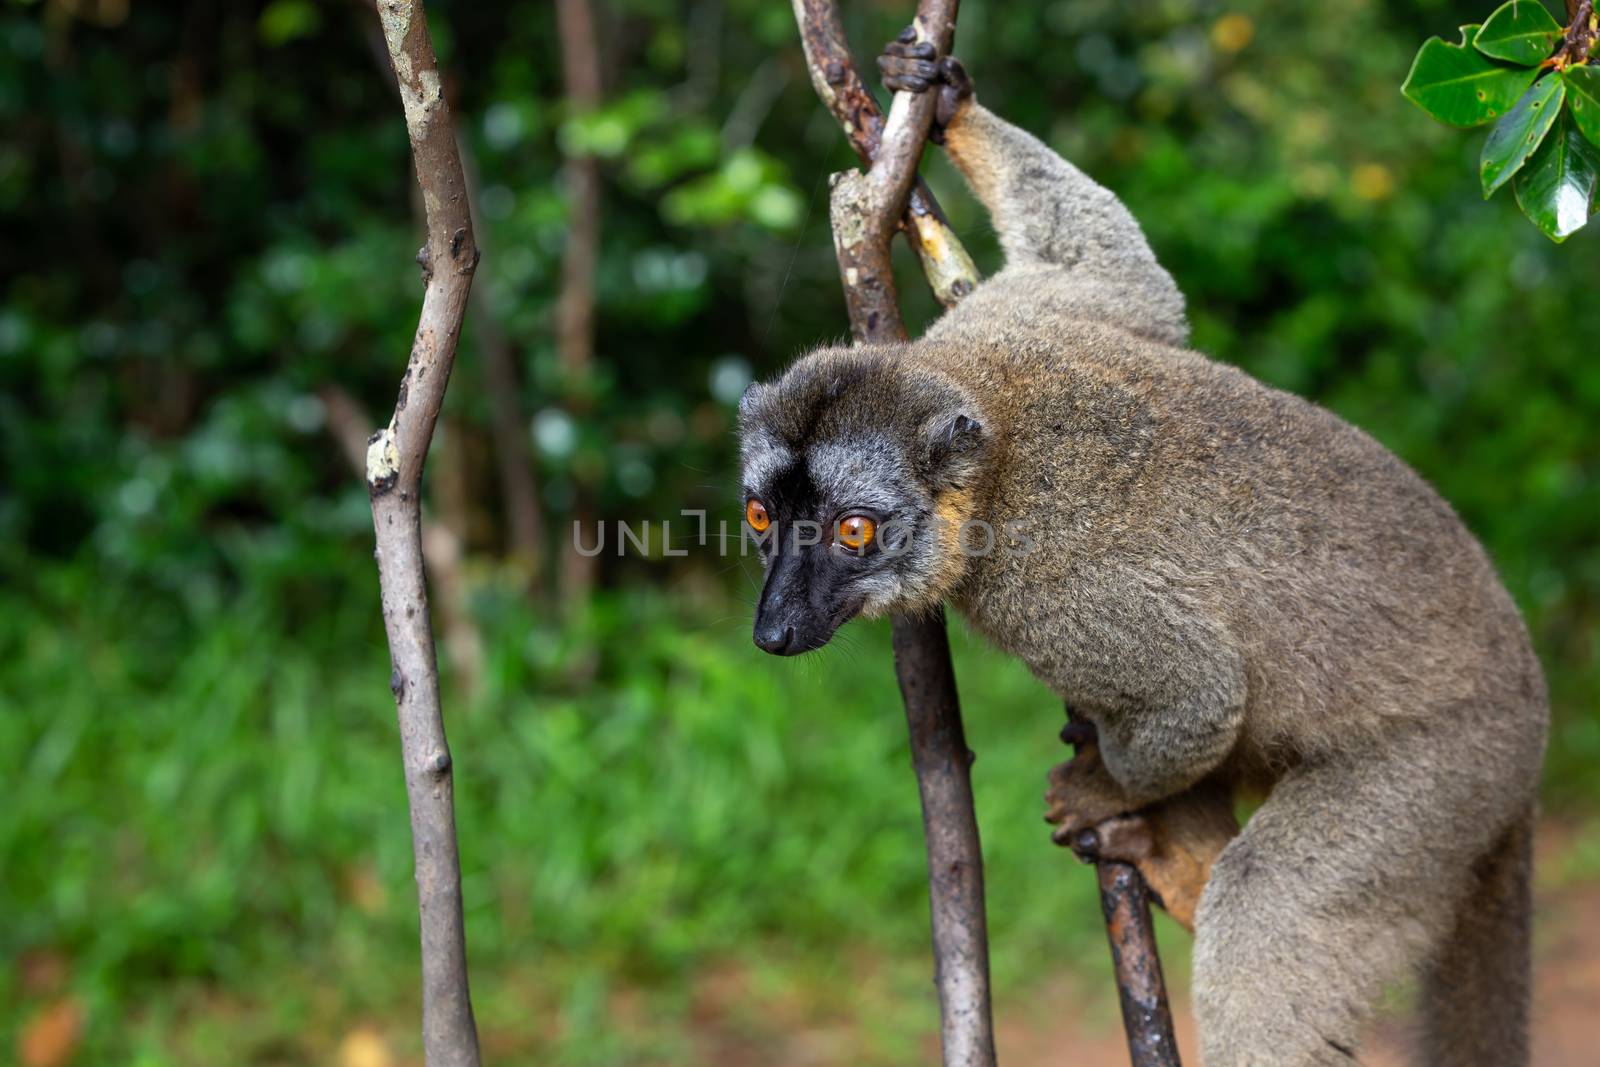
750	398
954	445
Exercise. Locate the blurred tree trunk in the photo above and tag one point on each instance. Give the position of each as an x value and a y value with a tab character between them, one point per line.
519	486
445	538
574	326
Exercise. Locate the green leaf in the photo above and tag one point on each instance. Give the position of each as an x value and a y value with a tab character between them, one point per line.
1458	85
1515	137
285	20
1520	31
1583	99
1557	185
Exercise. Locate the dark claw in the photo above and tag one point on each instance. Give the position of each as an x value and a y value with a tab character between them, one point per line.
1085	844
908	34
955	75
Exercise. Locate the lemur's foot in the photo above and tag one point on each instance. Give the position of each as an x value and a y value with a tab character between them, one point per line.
912	66
1081	796
1120	839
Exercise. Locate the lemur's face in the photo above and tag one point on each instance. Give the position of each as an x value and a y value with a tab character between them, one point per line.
832	522
843	485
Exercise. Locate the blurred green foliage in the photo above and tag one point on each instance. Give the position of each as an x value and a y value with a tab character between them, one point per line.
213	834
207	218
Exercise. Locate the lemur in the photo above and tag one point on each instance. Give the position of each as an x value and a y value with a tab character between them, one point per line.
1235	588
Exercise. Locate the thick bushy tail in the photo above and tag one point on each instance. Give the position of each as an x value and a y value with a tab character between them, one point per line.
1476	990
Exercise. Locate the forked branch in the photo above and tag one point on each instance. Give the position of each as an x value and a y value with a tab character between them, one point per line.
945	262
394	462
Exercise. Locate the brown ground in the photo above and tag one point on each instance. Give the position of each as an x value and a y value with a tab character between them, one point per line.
1035	1032
1566	1025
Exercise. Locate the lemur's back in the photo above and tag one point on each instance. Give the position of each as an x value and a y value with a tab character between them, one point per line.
1340	576
1030	300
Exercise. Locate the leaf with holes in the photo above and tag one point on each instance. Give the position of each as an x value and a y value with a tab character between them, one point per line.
1557	186
1583	100
1515	137
1459	85
1520	31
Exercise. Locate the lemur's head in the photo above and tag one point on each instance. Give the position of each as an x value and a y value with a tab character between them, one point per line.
859	468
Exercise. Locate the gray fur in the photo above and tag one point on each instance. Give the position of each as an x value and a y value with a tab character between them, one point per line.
1069	243
1240	591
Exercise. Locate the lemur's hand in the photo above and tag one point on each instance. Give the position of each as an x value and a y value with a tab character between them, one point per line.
910	66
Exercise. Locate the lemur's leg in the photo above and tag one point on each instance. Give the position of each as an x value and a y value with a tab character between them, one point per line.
1045	209
1346	877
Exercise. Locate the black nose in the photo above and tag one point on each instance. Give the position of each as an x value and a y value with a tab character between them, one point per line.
779	640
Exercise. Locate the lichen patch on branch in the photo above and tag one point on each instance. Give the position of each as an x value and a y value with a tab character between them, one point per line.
383	461
421	92
396	18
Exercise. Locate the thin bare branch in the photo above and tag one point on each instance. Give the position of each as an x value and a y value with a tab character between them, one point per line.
1135	963
394	462
519	489
351	428
865	211
1146	1018
580	67
943	764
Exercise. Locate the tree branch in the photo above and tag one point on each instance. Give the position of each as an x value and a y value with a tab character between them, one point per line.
945	262
394	463
350	428
865	209
1141	987
525	533
1146	1018
1579	38
943	764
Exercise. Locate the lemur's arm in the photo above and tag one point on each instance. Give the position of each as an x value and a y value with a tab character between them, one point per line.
1046	210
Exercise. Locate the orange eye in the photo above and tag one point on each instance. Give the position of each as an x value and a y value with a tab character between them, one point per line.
856	531
756	515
